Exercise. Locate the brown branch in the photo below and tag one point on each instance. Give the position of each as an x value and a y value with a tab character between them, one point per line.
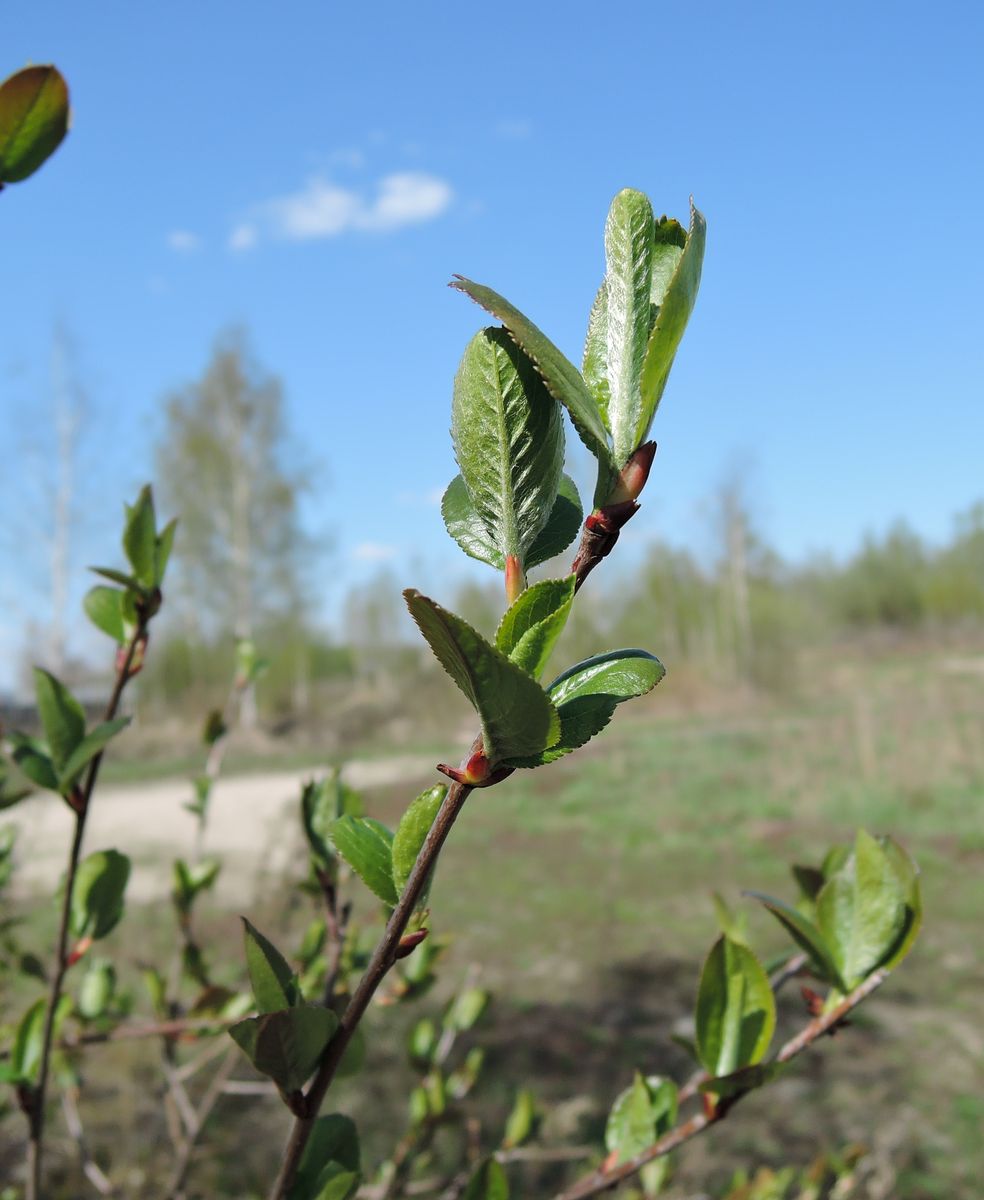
604	1178
36	1115
200	1115
73	1121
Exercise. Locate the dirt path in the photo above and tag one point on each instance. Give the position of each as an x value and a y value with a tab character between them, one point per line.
253	824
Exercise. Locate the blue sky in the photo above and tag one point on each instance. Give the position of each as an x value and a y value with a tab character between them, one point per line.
318	171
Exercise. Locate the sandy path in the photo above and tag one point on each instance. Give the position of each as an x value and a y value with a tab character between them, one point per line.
253	825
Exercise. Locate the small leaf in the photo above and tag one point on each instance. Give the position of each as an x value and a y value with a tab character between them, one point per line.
508	440
273	982
594	367
733	924
532	624
62	716
466	1009
98	895
104	608
561	528
745	1079
640	1115
140	538
489	1182
736	1010
675	307
323	801
465	525
119	577
861	910
411	833
25	1057
366	845
587	695
33	120
333	1142
31	756
908	874
286	1046
521	1121
162	552
516	716
96	990
94	742
804	933
561	377
809	880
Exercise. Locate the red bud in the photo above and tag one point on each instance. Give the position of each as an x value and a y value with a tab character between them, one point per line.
409	942
634	474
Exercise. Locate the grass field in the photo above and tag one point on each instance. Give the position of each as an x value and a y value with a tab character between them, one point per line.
584	892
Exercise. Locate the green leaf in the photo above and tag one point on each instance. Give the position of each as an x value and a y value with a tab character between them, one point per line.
745	1079
274	983
190	880
62	716
861	910
33	120
735	925
640	1115
516	716
908	874
334	1141
561	528
32	757
629	234
286	1046
97	988
119	577
533	622
140	538
466	1009
561	377
163	548
587	695
25	1057
366	845
508	440
736	1010
104	608
521	1121
411	833
94	742
489	1182
323	801
675	306
594	367
97	898
804	933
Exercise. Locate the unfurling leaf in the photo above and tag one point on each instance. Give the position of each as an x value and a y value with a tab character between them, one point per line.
323	801
521	1121
367	847
33	120
516	715
140	538
411	833
736	1010
286	1045
274	983
508	440
806	935
98	894
533	623
640	1115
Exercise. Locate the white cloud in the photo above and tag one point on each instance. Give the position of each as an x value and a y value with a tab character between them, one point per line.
184	241
374	552
243	237
323	209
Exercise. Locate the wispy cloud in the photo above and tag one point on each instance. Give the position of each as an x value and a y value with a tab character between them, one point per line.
374	552
325	209
183	241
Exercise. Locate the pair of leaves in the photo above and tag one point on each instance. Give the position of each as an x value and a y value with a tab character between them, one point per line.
323	801
509	444
191	880
635	327
640	1116
867	912
488	1182
524	725
98	894
736	1009
384	860
33	120
330	1165
57	762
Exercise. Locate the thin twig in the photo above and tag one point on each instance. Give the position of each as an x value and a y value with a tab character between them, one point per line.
36	1115
605	1178
73	1121
217	1086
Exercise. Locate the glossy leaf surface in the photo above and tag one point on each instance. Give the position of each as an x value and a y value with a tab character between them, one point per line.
366	845
736	1010
531	625
640	1115
98	895
411	833
33	120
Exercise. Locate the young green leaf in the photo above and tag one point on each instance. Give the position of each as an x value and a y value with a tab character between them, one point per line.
94	742
736	1010
562	378
487	1183
96	990
594	366
466	1009
31	755
675	306
323	801
908	874
189	880
286	1046
587	695
274	983
508	440
533	623
411	833
366	845
25	1056
104	608
333	1142
522	1120
629	235
97	898
119	577
140	538
640	1115
516	716
561	528
33	120
861	910
62	716
162	550
805	934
